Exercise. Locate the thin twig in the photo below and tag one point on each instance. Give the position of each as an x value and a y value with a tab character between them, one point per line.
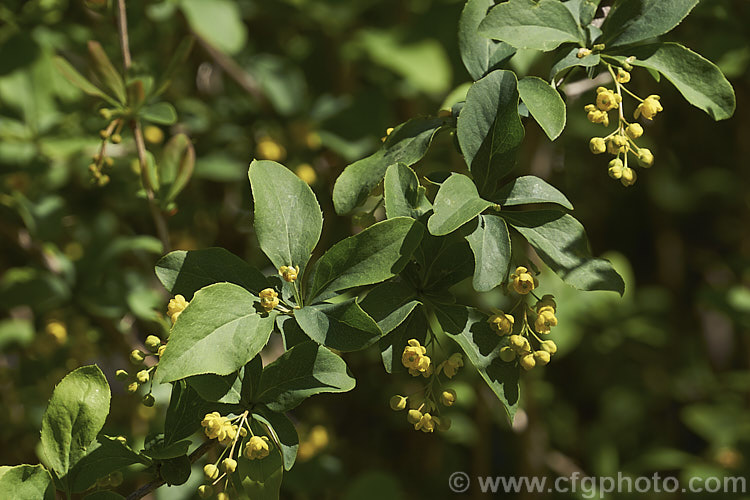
234	70
149	487
135	125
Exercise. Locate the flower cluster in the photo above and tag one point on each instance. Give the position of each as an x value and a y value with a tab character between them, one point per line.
622	140
109	134
424	412
143	375
230	432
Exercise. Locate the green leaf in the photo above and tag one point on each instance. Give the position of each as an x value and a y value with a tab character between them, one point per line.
457	202
106	71
288	220
490	242
175	62
587	11
75	415
80	81
219	332
283	433
530	189
162	113
343	326
26	482
544	104
176	166
633	21
302	371
571	60
389	304
404	197
527	24
489	128
225	389
407	144
392	345
104	457
371	256
469	328
158	449
175	471
184	413
560	240
218	22
478	53
441	262
699	81
185	272
261	479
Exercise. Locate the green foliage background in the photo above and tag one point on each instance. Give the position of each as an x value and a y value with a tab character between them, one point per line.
656	381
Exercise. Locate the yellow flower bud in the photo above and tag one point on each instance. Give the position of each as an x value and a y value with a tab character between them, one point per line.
583	52
205	491
549	346
307	173
222	496
152	343
541	358
132	387
153	135
229	465
116	138
211	471
398	403
160	352
448	397
615	168
136	357
628	177
176	306
597	145
507	354
527	362
142	376
617	144
645	157
413	416
105	113
518	342
268	149
634	130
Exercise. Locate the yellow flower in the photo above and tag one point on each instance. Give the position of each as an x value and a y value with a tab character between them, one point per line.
648	108
211	471
57	331
227	434
617	144
518	343
205	491
597	116
289	273
622	76
645	157
502	323
634	130
268	149
628	177
452	364
545	320
176	306
398	403
522	281
448	397
413	416
583	52
268	299
597	145
213	424
142	376
318	437
615	168
426	423
414	358
257	447
606	99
